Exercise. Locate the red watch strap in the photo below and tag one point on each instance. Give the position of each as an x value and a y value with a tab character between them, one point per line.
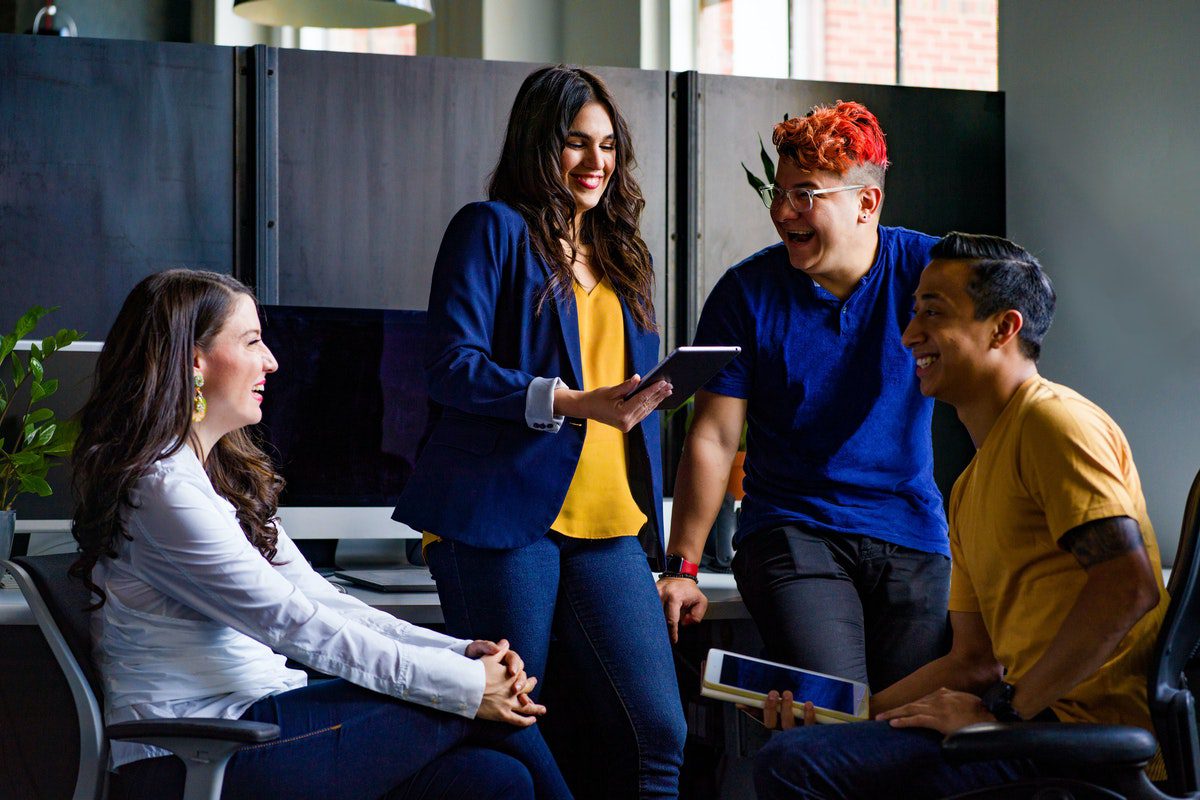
680	564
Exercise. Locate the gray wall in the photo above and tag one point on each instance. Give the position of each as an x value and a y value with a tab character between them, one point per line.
1103	185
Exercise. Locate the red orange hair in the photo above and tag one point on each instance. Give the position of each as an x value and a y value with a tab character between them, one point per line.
833	138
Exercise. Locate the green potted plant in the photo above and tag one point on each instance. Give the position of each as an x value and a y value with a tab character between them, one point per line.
32	439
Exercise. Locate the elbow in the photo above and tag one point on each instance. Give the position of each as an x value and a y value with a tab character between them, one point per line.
1141	590
1146	596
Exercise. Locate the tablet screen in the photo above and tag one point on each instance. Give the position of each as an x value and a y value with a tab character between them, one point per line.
822	691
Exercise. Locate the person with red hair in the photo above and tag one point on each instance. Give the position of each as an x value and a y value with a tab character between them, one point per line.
842	557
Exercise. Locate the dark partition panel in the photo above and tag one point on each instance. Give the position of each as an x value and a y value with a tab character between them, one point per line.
116	160
376	153
947	153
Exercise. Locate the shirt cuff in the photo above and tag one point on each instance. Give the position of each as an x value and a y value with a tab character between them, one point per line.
539	405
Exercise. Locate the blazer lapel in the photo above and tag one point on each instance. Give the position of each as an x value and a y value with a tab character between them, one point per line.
568	320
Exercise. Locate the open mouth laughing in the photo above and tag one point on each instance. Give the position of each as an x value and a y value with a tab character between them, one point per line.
800	236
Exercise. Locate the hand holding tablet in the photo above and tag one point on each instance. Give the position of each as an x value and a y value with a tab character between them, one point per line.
746	680
686	369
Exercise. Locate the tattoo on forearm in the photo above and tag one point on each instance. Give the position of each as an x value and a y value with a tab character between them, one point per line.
1102	540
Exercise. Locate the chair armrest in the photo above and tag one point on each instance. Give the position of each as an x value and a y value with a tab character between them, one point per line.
227	730
1067	743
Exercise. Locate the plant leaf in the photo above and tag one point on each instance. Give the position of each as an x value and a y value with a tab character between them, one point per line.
48	346
32	483
26	458
65	337
767	162
49	387
7	343
29	320
38	415
36	391
18	369
756	182
35	366
45	435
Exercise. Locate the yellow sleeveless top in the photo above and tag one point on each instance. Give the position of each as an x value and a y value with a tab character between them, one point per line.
599	503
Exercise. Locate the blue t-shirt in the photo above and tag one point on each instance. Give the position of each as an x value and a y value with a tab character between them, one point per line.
838	436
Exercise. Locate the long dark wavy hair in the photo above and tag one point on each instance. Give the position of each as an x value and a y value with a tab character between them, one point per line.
529	178
140	410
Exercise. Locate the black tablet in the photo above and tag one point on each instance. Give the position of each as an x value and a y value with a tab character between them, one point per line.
686	369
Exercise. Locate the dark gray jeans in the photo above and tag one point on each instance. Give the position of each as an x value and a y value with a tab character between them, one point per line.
851	606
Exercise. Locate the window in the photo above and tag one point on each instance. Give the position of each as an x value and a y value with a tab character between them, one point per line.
398	41
949	44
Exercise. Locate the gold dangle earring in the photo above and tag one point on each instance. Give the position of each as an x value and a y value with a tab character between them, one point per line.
199	404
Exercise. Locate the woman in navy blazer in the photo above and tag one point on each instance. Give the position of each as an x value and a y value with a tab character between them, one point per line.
508	308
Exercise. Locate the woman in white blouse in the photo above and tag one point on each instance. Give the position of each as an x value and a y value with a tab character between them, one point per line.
201	595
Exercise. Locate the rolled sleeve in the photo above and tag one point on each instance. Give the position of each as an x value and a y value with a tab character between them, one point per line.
539	405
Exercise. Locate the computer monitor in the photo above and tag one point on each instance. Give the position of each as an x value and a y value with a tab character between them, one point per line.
344	416
72	367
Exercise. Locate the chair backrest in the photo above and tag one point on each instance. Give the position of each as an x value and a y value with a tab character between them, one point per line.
58	604
1172	706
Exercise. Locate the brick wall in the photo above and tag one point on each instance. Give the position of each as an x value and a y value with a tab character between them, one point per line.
860	41
951	44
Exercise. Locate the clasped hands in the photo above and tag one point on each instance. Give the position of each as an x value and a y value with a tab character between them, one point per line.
507	687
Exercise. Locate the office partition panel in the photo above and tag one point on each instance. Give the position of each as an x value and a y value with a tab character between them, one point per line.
377	153
116	161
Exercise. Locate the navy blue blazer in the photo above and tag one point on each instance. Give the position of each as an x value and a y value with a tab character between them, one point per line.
484	477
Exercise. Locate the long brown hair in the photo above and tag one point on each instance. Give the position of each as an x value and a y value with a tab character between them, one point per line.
528	177
140	410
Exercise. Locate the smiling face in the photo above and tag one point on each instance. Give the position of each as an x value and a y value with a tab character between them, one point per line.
589	157
951	348
235	368
836	238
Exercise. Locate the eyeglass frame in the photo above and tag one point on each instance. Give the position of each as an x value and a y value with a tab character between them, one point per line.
776	190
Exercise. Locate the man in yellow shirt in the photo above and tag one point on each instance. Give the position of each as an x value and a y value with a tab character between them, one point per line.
1056	592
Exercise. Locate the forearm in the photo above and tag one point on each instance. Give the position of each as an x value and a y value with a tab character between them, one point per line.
951	671
699	491
1109	605
570	403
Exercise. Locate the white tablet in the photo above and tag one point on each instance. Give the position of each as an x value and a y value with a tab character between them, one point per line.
746	680
686	369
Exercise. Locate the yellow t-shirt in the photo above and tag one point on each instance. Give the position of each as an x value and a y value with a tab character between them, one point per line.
1053	461
599	503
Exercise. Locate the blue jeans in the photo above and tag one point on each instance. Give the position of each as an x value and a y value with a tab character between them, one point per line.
852	606
861	760
339	741
597	599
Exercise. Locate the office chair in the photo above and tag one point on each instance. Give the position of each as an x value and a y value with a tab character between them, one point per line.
205	745
1109	760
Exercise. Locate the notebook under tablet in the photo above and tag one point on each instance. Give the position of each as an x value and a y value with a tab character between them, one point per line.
400	579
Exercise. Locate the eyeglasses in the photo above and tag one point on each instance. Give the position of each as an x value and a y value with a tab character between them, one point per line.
801	200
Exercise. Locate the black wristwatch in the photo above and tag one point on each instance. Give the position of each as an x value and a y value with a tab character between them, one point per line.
997	699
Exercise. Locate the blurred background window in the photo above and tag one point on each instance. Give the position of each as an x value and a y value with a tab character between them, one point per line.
949	44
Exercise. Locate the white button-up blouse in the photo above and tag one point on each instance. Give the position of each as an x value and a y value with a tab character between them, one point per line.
198	624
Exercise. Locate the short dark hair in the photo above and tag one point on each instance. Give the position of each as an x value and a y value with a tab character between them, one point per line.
1004	275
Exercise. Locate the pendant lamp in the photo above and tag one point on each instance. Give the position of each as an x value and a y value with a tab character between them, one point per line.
335	13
